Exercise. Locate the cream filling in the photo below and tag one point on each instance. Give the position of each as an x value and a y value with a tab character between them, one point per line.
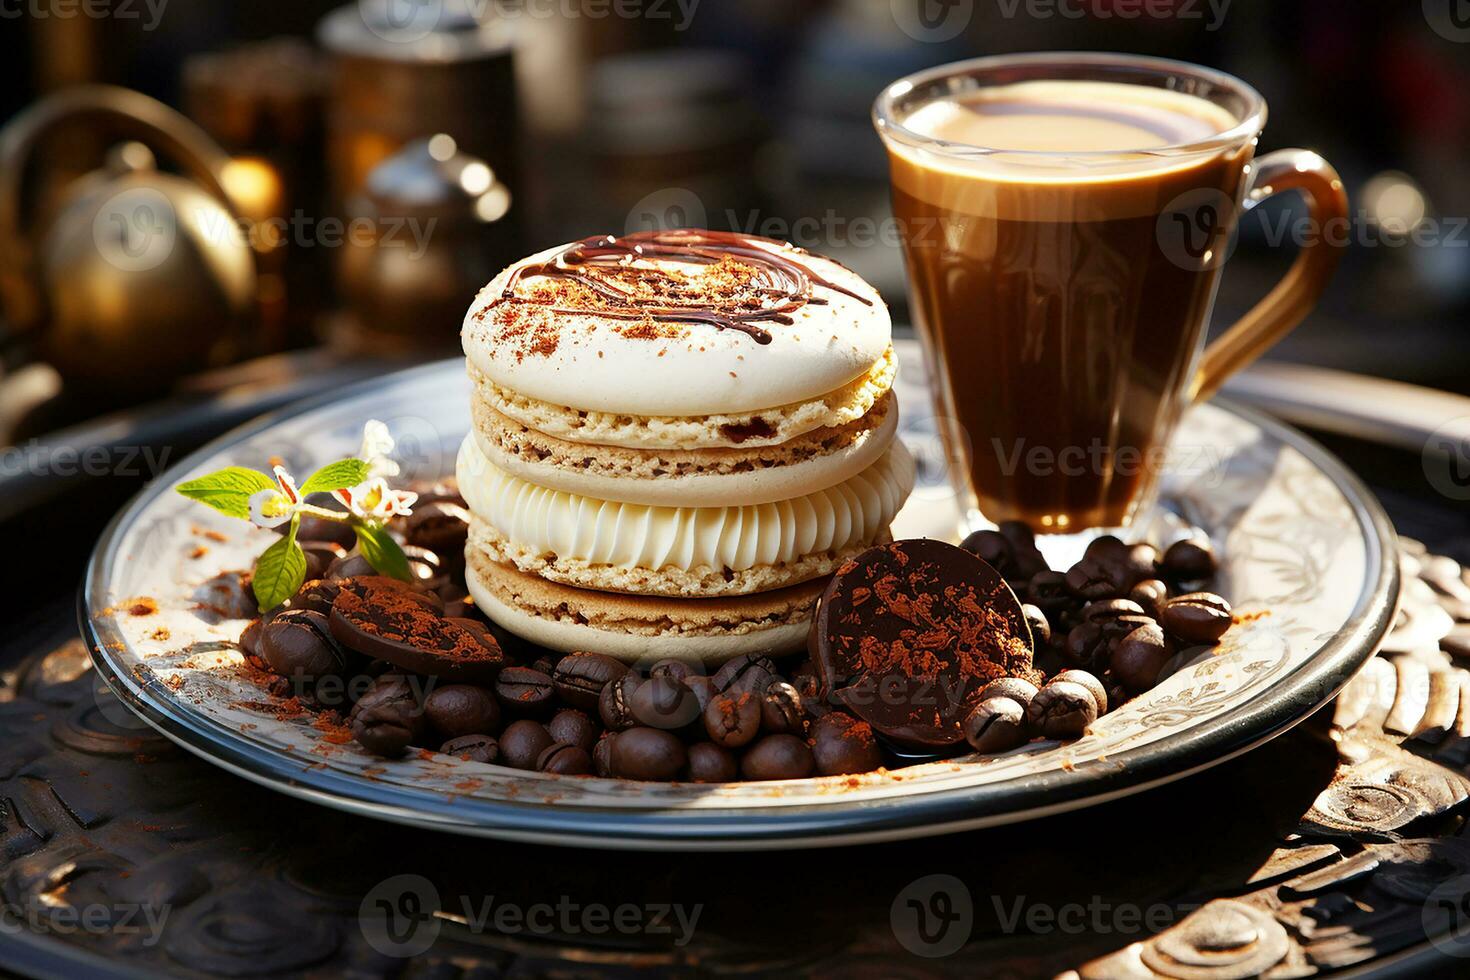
606	532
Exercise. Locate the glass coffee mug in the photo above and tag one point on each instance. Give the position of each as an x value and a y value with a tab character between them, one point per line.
1065	218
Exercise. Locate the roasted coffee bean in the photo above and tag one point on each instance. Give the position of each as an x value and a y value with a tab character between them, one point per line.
709	763
1199	617
1149	594
250	637
1139	657
1040	625
602	754
778	757
580	677
475	748
1062	710
388	718
1108	546
841	745
702	687
1015	688
1117	696
316	595
747	672
524	692
461	709
565	760
1089	681
319	557
299	643
441	526
782	711
733	719
678	670
1048	592
1140	562
314	528
574	727
522	743
351	565
1027	558
663	702
1097	578
1105	610
613	705
996	725
992	548
648	753
1190	560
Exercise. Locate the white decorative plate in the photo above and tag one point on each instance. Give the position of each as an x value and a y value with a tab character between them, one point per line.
1305	556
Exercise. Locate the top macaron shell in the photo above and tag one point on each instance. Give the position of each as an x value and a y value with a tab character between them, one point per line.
595	365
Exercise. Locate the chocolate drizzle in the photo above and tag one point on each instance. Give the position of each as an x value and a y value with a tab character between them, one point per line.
603	264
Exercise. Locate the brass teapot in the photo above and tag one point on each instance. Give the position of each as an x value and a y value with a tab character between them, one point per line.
135	277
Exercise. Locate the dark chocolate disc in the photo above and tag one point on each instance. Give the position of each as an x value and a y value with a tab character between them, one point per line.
396	624
908	633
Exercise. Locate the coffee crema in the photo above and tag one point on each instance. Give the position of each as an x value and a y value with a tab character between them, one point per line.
1066	331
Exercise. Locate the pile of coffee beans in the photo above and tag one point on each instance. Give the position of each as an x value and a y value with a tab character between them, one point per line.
414	665
1105	630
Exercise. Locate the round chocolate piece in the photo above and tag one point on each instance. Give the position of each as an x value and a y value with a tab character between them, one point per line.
908	633
395	624
841	744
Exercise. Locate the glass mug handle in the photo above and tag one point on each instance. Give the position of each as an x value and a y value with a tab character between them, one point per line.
1294	296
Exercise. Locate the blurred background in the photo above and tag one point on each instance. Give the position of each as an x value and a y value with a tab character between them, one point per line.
273	198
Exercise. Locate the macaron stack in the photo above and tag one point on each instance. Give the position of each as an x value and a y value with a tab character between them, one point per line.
676	438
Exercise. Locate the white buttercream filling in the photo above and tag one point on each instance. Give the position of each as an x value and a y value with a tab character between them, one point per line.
605	532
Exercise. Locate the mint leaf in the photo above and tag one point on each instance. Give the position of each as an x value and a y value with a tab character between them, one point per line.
382	552
280	571
228	490
335	476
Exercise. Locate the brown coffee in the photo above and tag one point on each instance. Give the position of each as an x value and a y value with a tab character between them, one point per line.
1067	330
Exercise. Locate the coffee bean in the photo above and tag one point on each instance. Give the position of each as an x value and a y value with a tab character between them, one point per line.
613	705
314	528
1140	562
1089	681
1096	578
1190	560
647	753
778	757
1048	591
747	672
565	760
1105	610
709	763
1139	657
992	548
316	595
1199	617
602	754
352	565
663	702
733	720
522	743
1040	625
1015	688
573	726
782	711
996	725
319	556
442	527
1027	558
702	687
524	692
841	745
1105	547
388	718
1062	711
1149	594
580	677
299	643
250	637
678	670
546	662
461	709
474	748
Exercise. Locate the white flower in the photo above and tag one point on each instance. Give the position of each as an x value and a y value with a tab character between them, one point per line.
377	444
376	502
272	508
